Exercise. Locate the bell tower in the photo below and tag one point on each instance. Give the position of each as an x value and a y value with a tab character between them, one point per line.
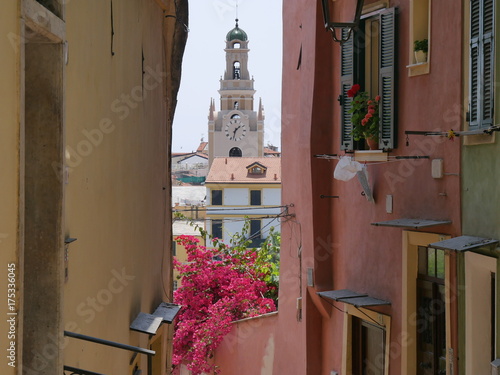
236	130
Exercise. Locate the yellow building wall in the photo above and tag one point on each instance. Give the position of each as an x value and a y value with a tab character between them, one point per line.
117	115
118	191
9	172
181	255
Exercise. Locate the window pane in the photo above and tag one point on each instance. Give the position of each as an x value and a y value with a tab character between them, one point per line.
431	262
217	229
216	197
440	264
422	260
255	197
254	228
255	233
372	349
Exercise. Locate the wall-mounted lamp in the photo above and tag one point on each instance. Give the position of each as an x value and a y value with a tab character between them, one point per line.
355	15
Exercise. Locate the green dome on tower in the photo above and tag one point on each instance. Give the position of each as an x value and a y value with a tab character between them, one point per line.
236	33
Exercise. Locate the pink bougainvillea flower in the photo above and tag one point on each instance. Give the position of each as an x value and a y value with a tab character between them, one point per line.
377	98
213	294
364	121
368	116
371	111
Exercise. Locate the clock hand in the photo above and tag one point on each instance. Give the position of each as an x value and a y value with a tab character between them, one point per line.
234	132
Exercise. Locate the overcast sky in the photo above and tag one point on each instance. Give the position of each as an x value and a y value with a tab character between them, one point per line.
204	63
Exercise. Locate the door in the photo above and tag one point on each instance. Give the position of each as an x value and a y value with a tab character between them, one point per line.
431	328
368	351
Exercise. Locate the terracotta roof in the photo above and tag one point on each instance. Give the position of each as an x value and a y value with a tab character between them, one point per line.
202	147
234	170
271	151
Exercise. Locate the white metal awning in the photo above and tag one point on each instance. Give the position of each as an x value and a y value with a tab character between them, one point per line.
411	223
352	298
149	323
464	243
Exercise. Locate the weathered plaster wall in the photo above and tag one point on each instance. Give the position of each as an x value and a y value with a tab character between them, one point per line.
298	234
105	104
117	195
335	236
481	196
9	168
369	258
249	349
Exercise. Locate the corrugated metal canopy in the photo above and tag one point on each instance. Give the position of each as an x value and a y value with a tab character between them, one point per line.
352	298
411	223
464	243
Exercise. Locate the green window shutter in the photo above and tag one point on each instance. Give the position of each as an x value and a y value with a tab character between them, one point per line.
488	64
474	64
481	64
346	82
387	56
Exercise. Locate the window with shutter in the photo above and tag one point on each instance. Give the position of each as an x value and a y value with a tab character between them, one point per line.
346	81
368	59
255	197
481	64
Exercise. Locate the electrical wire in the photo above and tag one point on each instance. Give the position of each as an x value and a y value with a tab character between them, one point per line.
231	209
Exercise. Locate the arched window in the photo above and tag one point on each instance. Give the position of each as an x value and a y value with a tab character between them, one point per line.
236	105
235	152
235	116
236	45
236	70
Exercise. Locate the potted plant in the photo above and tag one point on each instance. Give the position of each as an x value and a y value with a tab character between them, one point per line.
421	47
365	118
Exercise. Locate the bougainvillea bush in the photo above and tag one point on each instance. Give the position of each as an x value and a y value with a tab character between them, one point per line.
219	285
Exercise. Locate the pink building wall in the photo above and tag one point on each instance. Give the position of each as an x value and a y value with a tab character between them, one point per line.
334	237
249	349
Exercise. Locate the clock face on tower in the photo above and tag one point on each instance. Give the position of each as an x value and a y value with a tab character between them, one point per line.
235	129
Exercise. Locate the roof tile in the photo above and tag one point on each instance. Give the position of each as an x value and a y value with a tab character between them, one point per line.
234	170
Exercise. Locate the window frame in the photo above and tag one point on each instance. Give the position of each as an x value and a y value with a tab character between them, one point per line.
217	223
368	316
411	242
218	198
352	70
431	319
255	234
259	199
481	86
420	28
235	152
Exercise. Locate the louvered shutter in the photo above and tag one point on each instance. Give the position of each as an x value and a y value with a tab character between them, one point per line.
488	64
346	82
387	55
481	64
474	64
